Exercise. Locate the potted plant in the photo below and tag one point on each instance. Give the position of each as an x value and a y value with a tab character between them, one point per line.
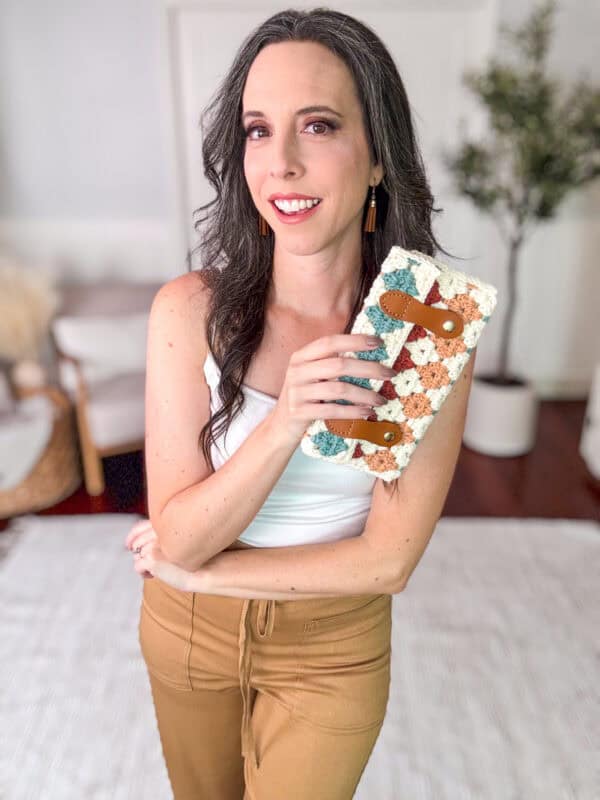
543	142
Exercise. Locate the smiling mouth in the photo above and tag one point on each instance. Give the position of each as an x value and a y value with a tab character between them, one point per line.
294	210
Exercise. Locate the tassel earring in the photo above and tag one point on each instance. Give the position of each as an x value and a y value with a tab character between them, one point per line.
263	227
369	226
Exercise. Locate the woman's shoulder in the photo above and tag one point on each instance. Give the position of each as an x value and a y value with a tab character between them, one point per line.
182	303
190	287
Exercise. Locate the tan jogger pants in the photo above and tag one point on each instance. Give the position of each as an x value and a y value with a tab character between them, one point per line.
266	699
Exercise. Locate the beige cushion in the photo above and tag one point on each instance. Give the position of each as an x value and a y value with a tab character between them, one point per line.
106	345
116	409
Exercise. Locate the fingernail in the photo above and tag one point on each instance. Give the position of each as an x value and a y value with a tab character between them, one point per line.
373	341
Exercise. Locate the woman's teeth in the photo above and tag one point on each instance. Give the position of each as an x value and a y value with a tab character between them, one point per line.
293	206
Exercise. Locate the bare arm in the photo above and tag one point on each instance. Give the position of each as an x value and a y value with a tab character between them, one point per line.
326	569
204	519
383	557
402	525
195	512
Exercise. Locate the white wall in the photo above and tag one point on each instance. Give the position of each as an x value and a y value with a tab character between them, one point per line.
89	185
83	145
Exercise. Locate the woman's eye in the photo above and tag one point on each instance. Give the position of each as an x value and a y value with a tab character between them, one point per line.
253	128
328	125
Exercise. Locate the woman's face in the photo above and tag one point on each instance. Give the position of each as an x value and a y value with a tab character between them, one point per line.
319	153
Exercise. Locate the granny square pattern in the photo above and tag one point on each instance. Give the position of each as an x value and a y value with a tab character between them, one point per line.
428	360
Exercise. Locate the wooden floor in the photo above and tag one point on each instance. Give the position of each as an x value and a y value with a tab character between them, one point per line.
550	481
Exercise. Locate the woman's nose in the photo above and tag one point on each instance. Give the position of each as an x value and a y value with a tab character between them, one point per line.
284	156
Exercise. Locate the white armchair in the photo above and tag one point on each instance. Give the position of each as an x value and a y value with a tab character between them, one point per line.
99	336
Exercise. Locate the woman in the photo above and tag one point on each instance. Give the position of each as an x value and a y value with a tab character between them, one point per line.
266	628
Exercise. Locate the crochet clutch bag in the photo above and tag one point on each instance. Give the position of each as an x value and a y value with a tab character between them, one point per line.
429	317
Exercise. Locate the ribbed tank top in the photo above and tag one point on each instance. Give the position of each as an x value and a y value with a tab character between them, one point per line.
313	501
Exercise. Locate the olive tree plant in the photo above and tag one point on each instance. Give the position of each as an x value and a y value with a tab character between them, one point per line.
543	142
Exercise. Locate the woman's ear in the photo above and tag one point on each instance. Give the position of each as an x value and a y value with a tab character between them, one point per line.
379	172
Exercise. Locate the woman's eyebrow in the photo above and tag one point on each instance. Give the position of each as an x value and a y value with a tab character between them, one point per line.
300	112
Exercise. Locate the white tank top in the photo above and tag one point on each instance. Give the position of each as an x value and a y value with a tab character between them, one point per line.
313	500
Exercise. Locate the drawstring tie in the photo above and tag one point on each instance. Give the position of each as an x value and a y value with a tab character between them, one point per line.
265	621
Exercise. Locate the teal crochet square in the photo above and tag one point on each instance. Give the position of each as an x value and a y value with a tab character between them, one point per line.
365	355
364	382
402	279
381	321
329	444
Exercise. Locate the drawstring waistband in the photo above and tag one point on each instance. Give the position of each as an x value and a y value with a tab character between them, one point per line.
265	621
265	617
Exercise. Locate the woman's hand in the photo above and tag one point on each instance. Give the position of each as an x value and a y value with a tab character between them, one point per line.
310	386
150	561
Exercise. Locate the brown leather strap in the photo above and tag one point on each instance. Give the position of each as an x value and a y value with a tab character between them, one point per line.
372	431
400	305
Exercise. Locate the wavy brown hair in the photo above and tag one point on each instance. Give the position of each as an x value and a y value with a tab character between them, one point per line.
236	261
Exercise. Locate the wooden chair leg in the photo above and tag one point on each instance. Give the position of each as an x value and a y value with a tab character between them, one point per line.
93	472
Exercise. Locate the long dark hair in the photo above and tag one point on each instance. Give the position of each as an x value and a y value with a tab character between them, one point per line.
236	261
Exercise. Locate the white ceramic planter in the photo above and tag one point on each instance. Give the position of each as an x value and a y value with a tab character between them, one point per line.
501	420
589	445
